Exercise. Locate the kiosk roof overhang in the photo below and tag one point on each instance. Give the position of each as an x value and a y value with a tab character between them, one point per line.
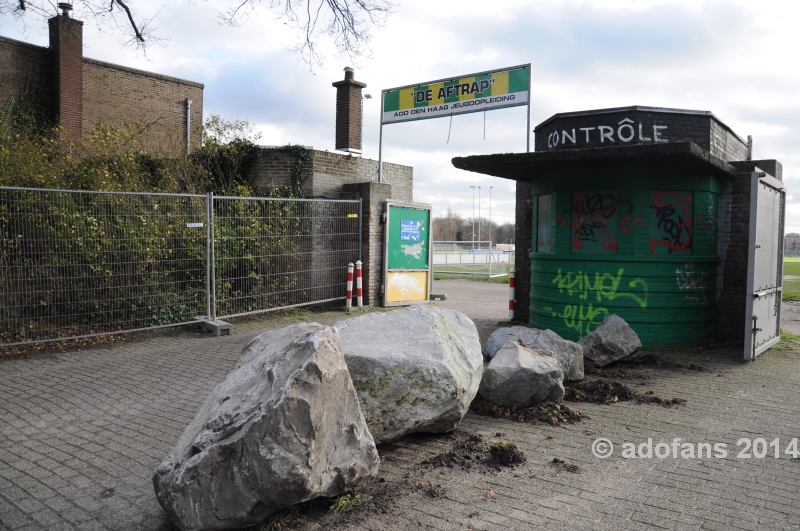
529	166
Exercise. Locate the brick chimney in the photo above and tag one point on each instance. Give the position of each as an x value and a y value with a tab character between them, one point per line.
66	49
348	112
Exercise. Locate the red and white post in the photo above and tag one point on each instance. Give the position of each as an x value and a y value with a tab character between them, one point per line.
349	297
359	296
511	296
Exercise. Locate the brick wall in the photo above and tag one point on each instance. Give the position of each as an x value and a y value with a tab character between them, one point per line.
110	93
373	197
22	67
331	172
116	94
336	175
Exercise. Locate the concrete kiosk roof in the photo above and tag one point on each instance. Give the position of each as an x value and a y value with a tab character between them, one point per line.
529	166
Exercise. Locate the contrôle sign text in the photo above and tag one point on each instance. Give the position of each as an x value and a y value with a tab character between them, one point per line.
625	131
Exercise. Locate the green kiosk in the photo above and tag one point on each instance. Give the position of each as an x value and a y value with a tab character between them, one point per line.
641	212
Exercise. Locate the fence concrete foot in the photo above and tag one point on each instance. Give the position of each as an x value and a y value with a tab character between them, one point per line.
217	328
439	296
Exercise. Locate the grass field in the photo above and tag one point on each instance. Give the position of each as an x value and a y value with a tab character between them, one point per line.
791	280
476	272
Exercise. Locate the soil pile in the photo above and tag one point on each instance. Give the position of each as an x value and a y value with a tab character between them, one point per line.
473	452
605	392
548	412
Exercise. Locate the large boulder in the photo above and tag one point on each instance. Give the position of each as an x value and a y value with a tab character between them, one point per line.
520	377
275	341
568	353
280	430
416	369
612	341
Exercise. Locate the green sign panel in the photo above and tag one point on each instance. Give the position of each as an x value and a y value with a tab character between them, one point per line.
409	238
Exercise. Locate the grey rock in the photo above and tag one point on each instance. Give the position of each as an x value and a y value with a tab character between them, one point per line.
275	341
416	369
521	377
611	341
280	430
570	354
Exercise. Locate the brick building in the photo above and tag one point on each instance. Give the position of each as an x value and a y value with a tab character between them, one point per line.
792	243
81	91
639	211
332	175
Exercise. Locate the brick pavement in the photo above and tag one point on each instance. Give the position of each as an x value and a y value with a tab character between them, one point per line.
82	430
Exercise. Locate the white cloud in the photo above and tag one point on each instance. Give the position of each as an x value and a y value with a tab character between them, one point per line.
732	57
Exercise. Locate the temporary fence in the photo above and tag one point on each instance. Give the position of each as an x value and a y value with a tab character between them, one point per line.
77	264
471	258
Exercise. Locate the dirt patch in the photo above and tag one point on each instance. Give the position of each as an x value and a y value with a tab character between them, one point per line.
649	360
564	466
610	392
466	453
377	497
616	374
548	412
473	452
507	453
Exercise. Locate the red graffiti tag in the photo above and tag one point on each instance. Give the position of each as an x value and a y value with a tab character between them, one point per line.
680	231
703	225
595	221
633	222
563	221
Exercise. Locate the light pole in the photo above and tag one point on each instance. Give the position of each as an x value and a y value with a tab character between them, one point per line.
479	213
473	217
490	213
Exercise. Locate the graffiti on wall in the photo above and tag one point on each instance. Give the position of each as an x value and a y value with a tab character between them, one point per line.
671	223
692	282
594	221
589	292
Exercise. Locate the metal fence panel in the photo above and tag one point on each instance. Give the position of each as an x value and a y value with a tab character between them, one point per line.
78	264
81	263
272	253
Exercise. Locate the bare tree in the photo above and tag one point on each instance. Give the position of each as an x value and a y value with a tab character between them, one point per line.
346	22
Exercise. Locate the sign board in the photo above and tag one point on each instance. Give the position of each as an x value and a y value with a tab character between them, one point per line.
407	254
484	91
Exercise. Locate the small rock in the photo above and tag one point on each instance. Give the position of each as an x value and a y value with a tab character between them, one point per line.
520	377
284	428
570	354
415	369
611	341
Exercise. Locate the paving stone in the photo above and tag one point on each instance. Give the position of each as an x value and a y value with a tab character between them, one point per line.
91	419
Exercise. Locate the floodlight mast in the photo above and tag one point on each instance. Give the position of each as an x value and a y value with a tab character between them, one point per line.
380	139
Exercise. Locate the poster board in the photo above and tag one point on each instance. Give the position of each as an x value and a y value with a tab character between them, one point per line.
408	270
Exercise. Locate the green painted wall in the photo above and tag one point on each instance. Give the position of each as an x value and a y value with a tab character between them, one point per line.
638	242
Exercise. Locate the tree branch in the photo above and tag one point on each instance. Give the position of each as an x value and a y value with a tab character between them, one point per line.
130	19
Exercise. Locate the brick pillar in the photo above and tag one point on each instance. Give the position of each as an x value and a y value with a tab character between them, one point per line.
373	197
348	112
66	49
523	244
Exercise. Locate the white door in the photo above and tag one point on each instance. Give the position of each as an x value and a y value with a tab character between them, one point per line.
765	264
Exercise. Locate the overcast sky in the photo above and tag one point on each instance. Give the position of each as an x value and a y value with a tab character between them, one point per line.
737	59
